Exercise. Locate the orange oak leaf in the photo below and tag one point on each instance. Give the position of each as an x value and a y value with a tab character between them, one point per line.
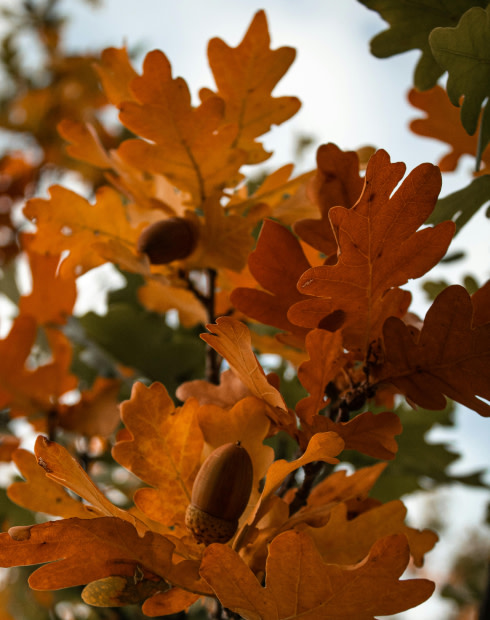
246	76
116	74
61	467
231	339
97	411
29	391
326	359
344	540
8	445
337	183
68	223
285	196
39	493
52	298
447	358
277	263
299	584
79	551
84	143
190	146
170	602
368	433
229	391
164	451
321	447
226	238
379	250
158	296
442	122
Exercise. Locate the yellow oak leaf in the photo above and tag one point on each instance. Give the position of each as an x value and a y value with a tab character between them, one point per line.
39	493
164	451
245	77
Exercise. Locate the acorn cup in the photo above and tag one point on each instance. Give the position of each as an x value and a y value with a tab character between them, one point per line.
167	240
220	494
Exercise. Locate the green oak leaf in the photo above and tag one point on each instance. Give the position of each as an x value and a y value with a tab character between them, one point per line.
462	205
410	25
142	340
419	463
464	51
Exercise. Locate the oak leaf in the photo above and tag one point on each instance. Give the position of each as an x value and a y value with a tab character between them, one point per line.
449	357
79	551
337	182
368	433
245	77
191	147
8	445
68	222
410	26
62	468
231	339
441	122
379	250
343	540
464	52
326	360
52	298
39	493
116	74
277	263
164	450
33	391
321	447
230	390
300	585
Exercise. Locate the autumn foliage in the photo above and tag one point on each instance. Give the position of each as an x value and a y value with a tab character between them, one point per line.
308	268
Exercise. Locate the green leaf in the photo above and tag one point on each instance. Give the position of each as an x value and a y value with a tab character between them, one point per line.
464	51
418	464
462	205
143	341
410	26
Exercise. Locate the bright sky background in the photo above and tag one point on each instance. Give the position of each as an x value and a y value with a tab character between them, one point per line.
349	97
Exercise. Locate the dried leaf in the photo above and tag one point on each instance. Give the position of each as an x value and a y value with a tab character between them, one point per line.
39	493
191	147
300	585
164	451
231	339
449	358
379	250
246	76
343	540
79	551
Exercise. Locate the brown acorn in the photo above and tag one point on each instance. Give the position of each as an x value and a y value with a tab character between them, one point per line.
220	494
167	240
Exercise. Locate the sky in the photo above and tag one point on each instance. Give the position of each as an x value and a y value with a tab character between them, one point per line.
348	96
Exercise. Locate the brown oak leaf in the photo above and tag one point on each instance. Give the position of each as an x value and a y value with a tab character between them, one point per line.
449	357
379	249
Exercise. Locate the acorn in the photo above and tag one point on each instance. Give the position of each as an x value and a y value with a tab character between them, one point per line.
220	494
167	240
